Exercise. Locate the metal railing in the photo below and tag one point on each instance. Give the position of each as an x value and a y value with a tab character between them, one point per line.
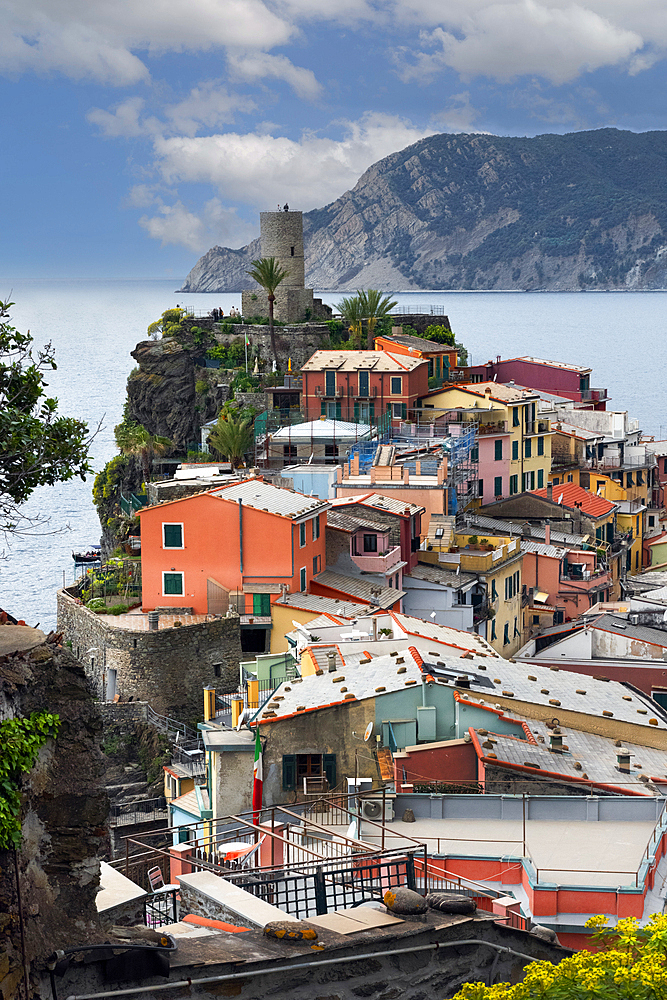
416	309
173	729
133	813
130	505
161	908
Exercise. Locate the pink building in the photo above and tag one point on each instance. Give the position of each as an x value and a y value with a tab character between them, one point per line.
494	449
567	579
571	381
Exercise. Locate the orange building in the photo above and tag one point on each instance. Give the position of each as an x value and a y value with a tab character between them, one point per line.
441	357
238	546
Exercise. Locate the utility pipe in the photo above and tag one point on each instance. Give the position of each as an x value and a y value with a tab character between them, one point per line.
313	964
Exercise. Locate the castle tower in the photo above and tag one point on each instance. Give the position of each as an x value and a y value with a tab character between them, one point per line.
281	236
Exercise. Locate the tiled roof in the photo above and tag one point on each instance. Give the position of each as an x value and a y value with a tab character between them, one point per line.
378	502
543	550
419	343
501	392
324	605
551	364
516	528
354	361
624	627
441	634
351	677
560	426
574	497
444	577
355	586
264	496
352	522
596	756
189	802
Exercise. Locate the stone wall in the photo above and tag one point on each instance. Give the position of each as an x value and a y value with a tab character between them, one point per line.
297	342
167	668
64	812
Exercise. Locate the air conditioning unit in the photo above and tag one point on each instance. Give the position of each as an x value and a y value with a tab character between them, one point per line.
372	809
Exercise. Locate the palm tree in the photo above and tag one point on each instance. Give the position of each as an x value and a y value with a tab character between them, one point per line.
351	311
268	273
134	439
374	307
232	437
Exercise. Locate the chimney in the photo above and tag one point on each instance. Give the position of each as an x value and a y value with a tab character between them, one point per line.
556	740
547	533
623	759
331	659
550	491
463	682
209	704
153	621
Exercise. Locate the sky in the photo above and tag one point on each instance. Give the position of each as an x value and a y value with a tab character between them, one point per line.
139	133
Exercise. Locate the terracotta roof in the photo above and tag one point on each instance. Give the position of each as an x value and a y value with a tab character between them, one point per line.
354	361
501	392
577	497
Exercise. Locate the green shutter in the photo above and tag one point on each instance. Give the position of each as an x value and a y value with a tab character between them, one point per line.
338	410
323	409
388	407
329	766
261	605
371	411
173	536
404	411
173	583
356	411
289	772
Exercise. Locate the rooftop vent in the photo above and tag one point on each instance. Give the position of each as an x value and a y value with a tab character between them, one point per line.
331	659
556	740
623	756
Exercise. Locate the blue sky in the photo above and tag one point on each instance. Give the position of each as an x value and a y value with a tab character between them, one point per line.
138	133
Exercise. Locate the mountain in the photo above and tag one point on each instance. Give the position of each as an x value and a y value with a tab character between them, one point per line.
553	212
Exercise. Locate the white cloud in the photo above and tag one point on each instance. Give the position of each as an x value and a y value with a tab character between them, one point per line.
125	119
207	106
459	115
506	40
262	170
253	66
216	224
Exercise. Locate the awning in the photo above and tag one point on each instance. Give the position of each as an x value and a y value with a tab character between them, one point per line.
540	598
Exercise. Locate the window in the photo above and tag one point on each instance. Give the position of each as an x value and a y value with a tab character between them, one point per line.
291	251
316	565
640	478
172	583
540	478
528	447
261	605
570	478
498	486
331	451
499	450
396	385
493	628
302	579
636	560
494	592
600	486
516	627
506	634
397	410
536	619
363	383
515	416
528	481
329	383
651	521
316	527
302	534
297	766
629	479
540	446
172	536
289	451
370	543
480	487
514	485
515	451
664	465
474	454
217	669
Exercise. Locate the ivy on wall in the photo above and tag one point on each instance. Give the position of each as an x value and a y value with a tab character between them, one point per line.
21	740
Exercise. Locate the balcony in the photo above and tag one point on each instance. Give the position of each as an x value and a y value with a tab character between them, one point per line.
494	427
594	395
587	581
377	562
474	561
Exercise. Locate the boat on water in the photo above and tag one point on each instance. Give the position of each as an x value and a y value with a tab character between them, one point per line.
92	555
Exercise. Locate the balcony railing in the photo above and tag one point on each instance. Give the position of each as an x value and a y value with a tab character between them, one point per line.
377	562
495	427
593	395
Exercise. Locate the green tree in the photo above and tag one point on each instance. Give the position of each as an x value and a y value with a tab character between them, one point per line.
232	437
21	741
630	965
440	334
134	439
373	308
268	273
169	323
37	447
351	311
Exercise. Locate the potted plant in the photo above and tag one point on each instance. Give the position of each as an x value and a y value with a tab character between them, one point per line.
473	542
486	544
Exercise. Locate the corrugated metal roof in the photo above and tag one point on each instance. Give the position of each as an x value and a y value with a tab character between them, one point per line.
379	597
330	605
552	364
355	361
419	343
516	528
264	496
576	497
444	577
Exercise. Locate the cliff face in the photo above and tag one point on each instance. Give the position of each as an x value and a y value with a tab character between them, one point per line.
585	210
63	816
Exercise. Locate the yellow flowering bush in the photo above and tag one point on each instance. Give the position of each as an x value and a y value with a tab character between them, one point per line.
631	965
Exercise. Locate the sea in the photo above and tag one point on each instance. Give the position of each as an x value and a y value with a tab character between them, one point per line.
94	325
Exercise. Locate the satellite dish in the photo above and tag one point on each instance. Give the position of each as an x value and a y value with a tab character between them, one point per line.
368	732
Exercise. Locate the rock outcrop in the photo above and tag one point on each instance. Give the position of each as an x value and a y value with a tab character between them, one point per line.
554	212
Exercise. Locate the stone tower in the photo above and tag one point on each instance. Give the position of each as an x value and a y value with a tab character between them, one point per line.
281	236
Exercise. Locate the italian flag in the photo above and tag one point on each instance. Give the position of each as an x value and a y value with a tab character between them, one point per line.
258	779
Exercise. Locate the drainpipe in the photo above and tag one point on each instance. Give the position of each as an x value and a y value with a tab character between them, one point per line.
241	536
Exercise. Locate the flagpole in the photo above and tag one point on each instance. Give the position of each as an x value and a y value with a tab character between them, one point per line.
246	353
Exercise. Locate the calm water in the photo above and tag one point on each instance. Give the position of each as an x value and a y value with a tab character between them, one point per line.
94	326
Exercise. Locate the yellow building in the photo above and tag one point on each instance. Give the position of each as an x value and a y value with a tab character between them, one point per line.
304	608
497	564
629	516
514	448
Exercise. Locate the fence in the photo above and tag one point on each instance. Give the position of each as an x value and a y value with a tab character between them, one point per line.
143	811
416	309
161	908
130	505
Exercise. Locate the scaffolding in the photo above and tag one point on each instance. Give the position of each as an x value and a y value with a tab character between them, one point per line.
310	446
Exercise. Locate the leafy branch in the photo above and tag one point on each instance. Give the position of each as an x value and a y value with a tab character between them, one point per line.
21	740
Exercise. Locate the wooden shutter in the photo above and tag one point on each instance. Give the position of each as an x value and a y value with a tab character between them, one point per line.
338	411
289	772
